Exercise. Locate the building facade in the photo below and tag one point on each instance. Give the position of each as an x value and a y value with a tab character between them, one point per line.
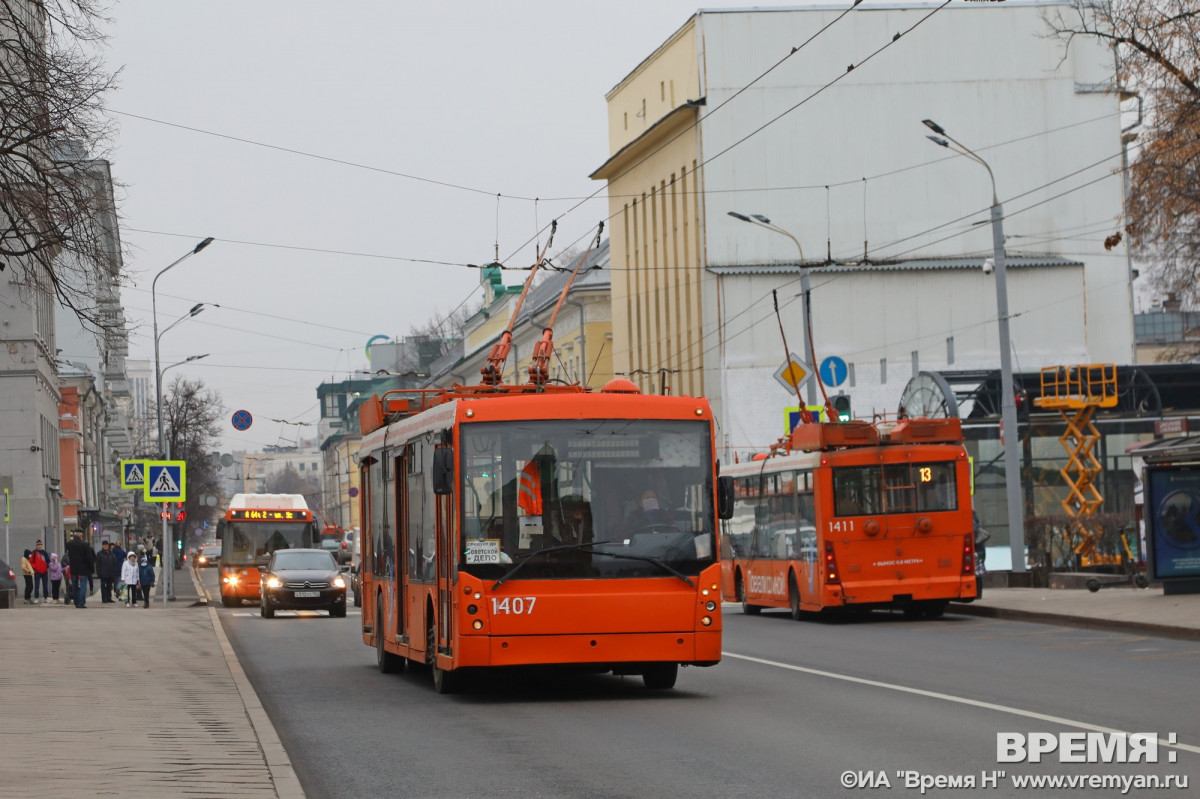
893	230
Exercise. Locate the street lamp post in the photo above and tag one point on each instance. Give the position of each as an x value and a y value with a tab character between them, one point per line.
805	290
169	565
1008	405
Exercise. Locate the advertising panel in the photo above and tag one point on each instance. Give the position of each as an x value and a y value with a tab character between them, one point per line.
1173	521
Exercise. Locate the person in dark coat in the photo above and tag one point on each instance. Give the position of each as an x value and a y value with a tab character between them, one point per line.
108	569
83	562
145	580
120	554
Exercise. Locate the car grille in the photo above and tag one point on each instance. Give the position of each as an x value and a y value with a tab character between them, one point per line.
309	584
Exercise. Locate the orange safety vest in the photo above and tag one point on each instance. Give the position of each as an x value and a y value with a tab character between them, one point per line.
529	495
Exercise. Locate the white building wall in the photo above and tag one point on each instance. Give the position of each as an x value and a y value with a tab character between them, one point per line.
990	76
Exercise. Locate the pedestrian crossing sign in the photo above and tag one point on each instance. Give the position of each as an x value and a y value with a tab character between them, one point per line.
133	474
166	481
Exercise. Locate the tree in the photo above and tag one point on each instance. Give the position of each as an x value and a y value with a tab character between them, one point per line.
191	425
1157	46
55	216
290	481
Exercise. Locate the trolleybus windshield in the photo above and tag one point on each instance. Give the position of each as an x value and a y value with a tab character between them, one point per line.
252	543
587	498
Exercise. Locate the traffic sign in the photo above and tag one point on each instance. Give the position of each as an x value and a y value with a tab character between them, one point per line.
166	481
834	371
133	474
793	373
242	420
791	417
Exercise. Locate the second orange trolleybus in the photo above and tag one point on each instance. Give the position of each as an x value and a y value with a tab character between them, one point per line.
855	516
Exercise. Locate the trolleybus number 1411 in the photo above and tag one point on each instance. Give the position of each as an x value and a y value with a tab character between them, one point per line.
516	605
842	526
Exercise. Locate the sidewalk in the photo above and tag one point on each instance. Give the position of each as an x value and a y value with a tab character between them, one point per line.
137	703
1120	608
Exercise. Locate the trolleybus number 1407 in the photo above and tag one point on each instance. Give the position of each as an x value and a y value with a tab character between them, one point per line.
516	605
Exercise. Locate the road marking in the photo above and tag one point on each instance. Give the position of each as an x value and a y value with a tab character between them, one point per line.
961	700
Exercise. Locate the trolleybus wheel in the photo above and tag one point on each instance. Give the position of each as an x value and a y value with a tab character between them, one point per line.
794	598
388	663
935	610
747	608
661	676
444	682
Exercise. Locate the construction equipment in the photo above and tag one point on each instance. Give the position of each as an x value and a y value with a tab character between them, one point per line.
1076	392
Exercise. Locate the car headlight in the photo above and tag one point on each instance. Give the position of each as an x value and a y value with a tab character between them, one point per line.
203	559
273	582
339	582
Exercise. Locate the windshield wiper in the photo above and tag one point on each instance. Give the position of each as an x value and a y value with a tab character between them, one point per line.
588	548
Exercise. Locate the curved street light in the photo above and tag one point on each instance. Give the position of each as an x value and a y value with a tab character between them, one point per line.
169	565
1008	404
805	289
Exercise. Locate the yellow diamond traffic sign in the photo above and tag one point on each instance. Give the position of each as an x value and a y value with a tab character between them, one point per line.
793	373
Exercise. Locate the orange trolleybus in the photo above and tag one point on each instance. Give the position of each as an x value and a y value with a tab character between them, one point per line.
539	525
853	515
255	525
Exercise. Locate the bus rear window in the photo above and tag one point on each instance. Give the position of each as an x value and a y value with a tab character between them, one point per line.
894	488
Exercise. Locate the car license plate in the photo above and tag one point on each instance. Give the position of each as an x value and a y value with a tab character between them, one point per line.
307	594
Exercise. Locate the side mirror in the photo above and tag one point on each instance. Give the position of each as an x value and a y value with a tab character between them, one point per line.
725	497
443	471
220	529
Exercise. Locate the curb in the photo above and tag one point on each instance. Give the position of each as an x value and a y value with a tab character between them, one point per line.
1112	625
287	784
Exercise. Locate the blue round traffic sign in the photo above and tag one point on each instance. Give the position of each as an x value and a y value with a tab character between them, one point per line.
242	420
834	371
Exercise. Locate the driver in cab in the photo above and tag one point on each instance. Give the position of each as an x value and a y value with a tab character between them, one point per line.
649	514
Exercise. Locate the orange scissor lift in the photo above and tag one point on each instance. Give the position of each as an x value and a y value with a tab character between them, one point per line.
1076	392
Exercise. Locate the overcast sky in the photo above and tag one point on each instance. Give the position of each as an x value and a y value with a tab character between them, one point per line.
314	256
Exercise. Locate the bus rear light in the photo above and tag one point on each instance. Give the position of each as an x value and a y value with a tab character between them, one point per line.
710	606
832	576
871	527
924	524
968	555
477	624
706	621
472	610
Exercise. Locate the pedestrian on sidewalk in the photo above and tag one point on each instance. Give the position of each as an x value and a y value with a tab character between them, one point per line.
129	576
56	575
27	573
146	580
120	555
83	562
40	560
108	569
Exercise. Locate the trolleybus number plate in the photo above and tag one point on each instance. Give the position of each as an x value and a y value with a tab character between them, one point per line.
517	605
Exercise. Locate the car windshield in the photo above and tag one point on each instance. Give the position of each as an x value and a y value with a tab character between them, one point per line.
596	498
303	560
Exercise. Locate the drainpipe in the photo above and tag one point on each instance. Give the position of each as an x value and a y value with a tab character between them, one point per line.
583	364
1126	139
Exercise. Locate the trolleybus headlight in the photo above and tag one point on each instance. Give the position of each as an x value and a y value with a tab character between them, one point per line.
339	582
706	621
477	624
273	582
711	606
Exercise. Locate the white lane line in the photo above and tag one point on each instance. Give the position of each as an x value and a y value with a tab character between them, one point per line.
962	700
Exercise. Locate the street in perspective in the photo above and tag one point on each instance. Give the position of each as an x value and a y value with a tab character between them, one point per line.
599	401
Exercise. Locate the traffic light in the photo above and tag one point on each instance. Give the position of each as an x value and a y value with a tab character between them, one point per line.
841	404
165	515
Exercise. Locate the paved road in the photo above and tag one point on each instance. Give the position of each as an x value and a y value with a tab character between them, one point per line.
791	708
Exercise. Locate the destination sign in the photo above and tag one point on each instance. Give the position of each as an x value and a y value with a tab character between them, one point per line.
271	515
